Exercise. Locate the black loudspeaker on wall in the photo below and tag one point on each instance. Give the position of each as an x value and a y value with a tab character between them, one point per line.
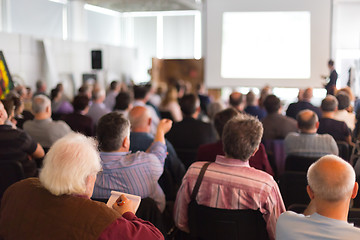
96	59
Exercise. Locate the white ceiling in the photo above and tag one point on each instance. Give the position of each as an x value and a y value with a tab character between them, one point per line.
147	5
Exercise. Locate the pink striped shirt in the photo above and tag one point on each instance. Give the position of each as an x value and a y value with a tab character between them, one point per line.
230	184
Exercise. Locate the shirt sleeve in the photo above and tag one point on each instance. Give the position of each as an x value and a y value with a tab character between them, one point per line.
29	145
129	227
159	150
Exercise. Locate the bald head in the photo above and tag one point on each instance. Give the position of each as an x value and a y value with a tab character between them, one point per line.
307	120
140	119
331	179
235	99
307	95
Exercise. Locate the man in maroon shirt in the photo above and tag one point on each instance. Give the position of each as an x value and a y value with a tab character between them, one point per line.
58	205
208	152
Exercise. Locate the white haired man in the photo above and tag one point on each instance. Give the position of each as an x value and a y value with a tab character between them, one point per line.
43	129
331	187
57	205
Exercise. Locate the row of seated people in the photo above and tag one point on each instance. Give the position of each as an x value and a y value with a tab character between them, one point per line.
71	175
192	101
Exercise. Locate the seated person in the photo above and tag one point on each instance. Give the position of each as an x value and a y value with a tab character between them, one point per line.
331	187
17	145
123	103
208	152
252	106
78	121
337	129
57	206
141	139
308	143
342	113
43	129
236	101
190	133
276	126
136	173
303	103
230	182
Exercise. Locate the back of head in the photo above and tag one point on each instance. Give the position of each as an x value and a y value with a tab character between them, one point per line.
222	117
111	131
308	94
307	119
68	163
329	104
189	103
54	94
331	178
39	85
139	117
80	102
331	63
9	107
122	101
241	136
250	98
114	85
235	99
343	100
98	93
40	103
272	104
140	92
213	108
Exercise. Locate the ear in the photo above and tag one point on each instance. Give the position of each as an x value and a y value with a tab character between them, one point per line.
310	192
198	109
355	190
317	125
149	121
126	143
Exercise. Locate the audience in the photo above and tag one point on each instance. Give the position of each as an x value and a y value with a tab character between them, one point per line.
170	104
331	187
208	152
190	133
17	145
97	108
230	182
111	95
43	129
337	129
276	126
40	88
123	103
342	113
135	173
236	101
78	121
141	140
141	97
57	206
303	103
307	143
59	105
252	107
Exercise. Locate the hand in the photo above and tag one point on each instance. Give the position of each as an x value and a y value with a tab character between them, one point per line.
123	205
164	125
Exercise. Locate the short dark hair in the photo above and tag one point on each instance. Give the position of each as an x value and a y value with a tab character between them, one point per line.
250	98
222	117
80	102
235	101
188	104
54	93
329	104
331	62
272	103
113	85
309	123
241	136
140	91
111	131
343	100
122	101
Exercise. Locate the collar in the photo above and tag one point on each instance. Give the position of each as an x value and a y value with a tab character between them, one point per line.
222	160
107	154
43	120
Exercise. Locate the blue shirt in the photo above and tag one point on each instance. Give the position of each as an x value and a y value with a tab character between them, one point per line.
295	226
135	173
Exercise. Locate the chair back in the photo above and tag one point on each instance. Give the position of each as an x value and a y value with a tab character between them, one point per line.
354	216
276	154
186	155
10	172
293	188
208	223
344	150
298	163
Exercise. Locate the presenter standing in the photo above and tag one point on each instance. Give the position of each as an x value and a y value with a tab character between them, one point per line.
331	85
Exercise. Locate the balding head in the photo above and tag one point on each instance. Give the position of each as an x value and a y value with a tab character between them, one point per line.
307	121
236	100
307	95
331	179
140	119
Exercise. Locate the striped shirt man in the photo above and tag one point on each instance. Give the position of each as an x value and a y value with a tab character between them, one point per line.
230	184
136	173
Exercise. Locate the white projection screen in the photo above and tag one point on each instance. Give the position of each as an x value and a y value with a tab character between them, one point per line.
252	43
